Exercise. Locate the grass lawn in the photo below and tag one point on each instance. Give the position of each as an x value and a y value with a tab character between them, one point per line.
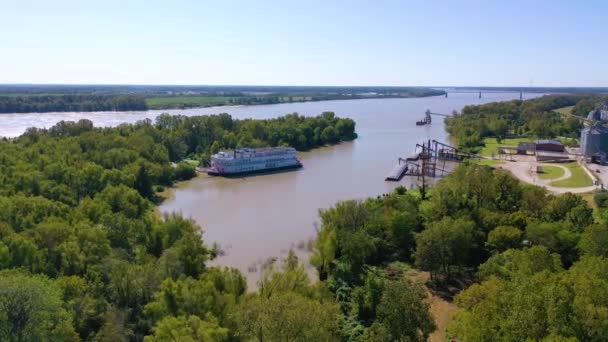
565	110
186	101
192	162
551	172
579	177
488	162
491	145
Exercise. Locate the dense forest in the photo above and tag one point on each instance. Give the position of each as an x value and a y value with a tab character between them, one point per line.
532	265
84	256
70	103
589	103
535	117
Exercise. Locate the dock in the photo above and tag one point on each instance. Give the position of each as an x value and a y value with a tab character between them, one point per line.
426	161
397	172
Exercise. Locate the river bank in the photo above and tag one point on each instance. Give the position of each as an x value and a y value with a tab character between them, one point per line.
254	218
259	217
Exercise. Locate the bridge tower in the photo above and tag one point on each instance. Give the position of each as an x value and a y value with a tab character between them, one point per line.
479	94
521	96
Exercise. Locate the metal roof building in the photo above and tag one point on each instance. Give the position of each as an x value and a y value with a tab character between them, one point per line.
549	145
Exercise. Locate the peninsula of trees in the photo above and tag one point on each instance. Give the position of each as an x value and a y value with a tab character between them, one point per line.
83	256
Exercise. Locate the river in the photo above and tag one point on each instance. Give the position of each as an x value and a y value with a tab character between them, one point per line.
254	218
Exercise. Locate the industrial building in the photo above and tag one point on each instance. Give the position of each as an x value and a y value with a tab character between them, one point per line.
594	143
544	145
549	145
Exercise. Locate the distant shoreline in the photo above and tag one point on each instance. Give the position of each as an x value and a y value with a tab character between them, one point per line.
226	105
90	98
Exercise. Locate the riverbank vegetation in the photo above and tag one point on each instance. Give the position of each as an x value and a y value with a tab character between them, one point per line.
284	95
536	118
199	137
84	256
521	264
70	103
66	98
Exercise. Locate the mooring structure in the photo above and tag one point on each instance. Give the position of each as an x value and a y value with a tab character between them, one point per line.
429	160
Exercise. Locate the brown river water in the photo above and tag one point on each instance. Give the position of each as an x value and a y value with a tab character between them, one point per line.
257	217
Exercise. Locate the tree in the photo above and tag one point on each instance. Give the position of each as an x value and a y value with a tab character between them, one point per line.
601	199
515	263
288	317
210	298
186	329
594	241
445	243
587	281
288	308
292	278
115	328
502	238
330	135
143	183
403	313
30	308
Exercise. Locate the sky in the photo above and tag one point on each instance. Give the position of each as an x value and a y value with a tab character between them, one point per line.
390	43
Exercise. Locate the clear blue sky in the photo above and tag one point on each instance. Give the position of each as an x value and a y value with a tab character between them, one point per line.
410	43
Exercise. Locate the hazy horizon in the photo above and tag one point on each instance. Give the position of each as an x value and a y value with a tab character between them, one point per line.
301	85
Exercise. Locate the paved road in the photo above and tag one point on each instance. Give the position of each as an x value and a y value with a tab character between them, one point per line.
522	171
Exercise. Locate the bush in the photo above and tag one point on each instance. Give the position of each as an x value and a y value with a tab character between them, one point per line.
184	171
601	199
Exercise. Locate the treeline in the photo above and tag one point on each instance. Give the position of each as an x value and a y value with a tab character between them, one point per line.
84	256
201	136
537	262
587	104
230	98
70	103
223	98
23	98
535	117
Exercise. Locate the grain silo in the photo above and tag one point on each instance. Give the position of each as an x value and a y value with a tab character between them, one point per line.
594	141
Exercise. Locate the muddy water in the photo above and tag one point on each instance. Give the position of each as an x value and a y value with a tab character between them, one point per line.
254	218
257	217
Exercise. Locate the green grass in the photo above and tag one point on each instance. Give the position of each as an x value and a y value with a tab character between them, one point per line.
579	177
565	110
186	101
551	172
488	162
491	145
192	162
